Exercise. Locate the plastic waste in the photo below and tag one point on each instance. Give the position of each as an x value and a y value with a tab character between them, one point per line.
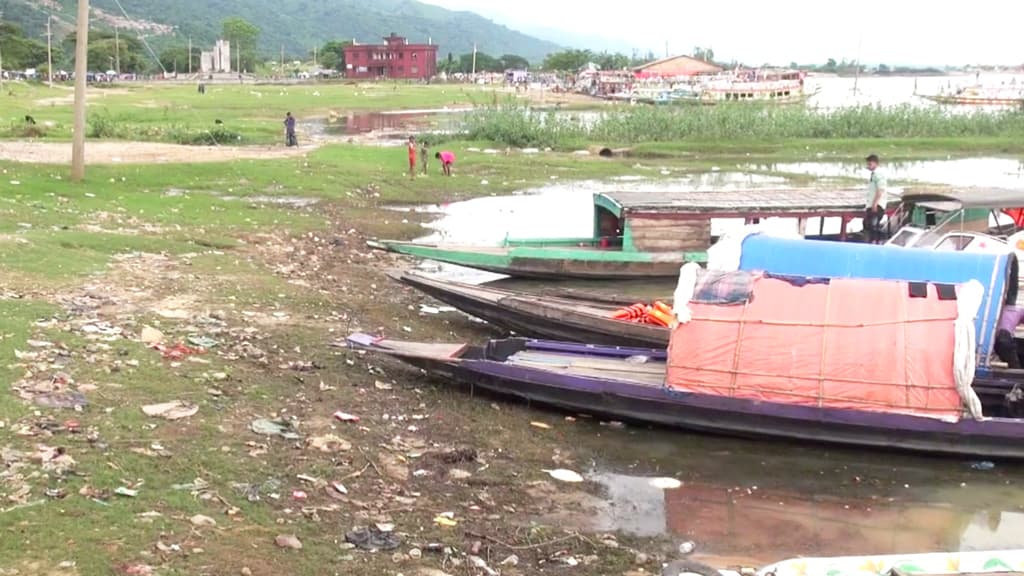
563	475
173	410
282	428
373	539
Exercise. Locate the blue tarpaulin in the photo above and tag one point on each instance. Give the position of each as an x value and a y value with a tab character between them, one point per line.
851	260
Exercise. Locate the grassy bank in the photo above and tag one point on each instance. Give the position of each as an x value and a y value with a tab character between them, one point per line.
739	125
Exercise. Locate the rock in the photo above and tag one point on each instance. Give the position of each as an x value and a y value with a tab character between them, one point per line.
245	571
290	541
687	547
202	521
151	335
641	558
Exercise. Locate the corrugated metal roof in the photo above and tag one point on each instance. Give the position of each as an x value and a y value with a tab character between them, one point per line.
677	66
975	197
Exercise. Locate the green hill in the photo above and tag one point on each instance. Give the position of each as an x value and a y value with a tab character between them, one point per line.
298	25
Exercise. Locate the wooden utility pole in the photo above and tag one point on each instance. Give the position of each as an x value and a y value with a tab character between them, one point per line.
474	60
49	49
1	56
314	56
190	56
81	69
117	52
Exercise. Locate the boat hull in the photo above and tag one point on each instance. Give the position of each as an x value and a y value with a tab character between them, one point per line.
992	438
539	316
547	263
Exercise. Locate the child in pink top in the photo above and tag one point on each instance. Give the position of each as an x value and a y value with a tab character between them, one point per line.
447	159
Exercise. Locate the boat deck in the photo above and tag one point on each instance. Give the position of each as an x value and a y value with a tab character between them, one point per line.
649	373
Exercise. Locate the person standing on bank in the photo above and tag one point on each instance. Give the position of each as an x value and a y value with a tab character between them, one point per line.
875	203
412	157
289	130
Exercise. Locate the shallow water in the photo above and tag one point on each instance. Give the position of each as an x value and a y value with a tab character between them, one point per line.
994	172
757	502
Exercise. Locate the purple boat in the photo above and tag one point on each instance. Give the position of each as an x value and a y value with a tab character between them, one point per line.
840	361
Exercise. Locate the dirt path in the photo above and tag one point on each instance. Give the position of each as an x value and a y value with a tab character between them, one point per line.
141	152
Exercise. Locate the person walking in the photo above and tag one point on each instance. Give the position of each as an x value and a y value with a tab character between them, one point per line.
289	130
875	203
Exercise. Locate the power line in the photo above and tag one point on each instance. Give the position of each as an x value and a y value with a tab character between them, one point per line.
142	38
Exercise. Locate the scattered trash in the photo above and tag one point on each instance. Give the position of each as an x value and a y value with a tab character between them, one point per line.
151	335
177	352
457	474
446	520
512	560
563	475
345	417
301	366
135	570
173	410
339	487
479	563
415	553
382	385
385	526
126	492
424	309
665	483
290	541
282	428
541	425
202	342
67	399
202	521
687	548
373	539
983	465
329	443
299	495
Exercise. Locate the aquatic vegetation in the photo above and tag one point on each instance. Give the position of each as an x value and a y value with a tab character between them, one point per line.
518	126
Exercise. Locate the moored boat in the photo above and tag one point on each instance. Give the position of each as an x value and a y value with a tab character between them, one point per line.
640	234
859	362
980	95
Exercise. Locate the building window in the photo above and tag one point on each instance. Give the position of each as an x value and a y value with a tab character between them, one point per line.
401	55
415	70
415	54
362	69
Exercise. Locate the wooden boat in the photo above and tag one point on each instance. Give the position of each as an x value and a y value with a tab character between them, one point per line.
1011	95
561	318
788	362
639	234
761	86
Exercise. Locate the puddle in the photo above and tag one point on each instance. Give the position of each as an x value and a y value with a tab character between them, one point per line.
757	502
995	172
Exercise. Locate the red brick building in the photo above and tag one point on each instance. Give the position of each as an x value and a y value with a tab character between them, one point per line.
395	59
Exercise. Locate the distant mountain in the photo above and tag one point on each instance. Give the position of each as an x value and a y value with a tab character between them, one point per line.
298	25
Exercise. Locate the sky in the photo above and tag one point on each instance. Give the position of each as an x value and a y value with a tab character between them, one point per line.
894	32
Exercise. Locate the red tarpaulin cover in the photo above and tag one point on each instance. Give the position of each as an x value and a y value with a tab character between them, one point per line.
850	343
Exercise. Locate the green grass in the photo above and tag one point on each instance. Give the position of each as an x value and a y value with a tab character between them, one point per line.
740	126
177	113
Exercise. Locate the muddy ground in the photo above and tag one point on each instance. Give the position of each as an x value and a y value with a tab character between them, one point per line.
456	481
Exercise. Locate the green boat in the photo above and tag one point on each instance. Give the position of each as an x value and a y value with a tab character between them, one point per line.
640	234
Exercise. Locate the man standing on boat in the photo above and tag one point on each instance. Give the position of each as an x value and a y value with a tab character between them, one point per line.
876	201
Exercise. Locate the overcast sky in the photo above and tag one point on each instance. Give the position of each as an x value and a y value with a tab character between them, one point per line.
781	31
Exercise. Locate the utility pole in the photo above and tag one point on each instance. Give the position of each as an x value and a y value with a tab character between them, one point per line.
190	55
49	49
474	60
117	52
282	60
1	56
314	56
81	69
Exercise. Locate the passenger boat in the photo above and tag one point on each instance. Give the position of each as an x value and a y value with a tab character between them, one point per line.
1006	95
640	234
852	361
762	86
560	318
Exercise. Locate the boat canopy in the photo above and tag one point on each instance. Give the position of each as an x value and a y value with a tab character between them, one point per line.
756	202
864	345
989	198
796	257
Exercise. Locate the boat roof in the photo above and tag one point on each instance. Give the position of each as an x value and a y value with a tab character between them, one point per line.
972	197
747	202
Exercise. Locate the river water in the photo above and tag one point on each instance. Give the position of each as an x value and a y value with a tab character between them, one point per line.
748	502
